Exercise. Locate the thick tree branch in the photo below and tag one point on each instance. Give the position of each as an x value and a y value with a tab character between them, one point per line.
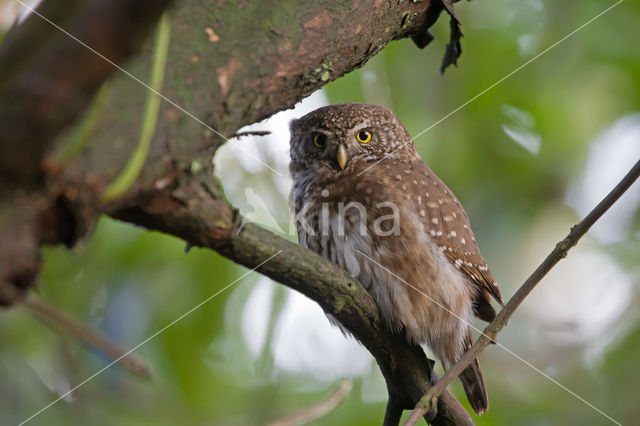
46	81
491	331
227	66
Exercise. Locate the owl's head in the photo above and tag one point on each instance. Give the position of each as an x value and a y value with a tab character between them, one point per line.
335	137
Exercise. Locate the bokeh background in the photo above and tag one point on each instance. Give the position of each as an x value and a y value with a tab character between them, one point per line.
528	159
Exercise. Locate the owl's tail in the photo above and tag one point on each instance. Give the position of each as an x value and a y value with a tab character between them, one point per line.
473	384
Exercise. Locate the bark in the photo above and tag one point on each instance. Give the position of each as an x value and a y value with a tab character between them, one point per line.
229	64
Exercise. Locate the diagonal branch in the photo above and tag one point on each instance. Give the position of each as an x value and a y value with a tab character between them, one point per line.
191	210
64	323
559	252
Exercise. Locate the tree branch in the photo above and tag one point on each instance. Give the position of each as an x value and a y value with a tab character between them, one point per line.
47	80
62	322
192	210
227	66
318	410
491	331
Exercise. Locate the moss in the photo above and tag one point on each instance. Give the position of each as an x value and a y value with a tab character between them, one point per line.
319	74
196	166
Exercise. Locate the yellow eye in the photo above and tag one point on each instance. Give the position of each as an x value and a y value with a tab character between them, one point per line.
364	136
319	140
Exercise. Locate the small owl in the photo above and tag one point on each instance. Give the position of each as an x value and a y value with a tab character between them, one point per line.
363	198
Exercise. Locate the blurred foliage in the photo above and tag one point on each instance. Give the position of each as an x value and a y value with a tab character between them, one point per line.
130	283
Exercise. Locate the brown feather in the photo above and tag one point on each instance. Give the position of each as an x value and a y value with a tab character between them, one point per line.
449	226
473	384
429	277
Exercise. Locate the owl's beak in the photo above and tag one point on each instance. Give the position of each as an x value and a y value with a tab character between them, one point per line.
343	156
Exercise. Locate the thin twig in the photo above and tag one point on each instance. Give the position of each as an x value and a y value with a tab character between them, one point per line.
239	135
59	321
559	252
318	410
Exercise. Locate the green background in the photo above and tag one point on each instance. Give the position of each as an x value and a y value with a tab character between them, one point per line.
580	326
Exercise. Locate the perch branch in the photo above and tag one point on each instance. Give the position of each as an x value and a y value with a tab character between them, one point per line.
489	334
191	211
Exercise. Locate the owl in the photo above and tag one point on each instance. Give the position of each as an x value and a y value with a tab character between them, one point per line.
363	198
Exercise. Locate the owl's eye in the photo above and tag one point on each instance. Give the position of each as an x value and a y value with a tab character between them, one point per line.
364	136
319	140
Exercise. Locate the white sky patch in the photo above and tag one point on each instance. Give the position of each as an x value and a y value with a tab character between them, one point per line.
528	44
48	372
260	212
237	170
255	316
272	149
529	141
591	293
583	296
521	128
305	342
10	10
610	157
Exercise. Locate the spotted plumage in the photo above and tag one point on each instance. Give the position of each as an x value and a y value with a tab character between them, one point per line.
363	198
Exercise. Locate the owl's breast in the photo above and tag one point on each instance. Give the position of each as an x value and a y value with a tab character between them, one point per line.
340	236
346	221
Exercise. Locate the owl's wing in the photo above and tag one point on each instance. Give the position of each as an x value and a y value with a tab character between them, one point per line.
448	225
474	267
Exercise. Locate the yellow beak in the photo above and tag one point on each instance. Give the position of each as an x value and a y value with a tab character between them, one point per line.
342	156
